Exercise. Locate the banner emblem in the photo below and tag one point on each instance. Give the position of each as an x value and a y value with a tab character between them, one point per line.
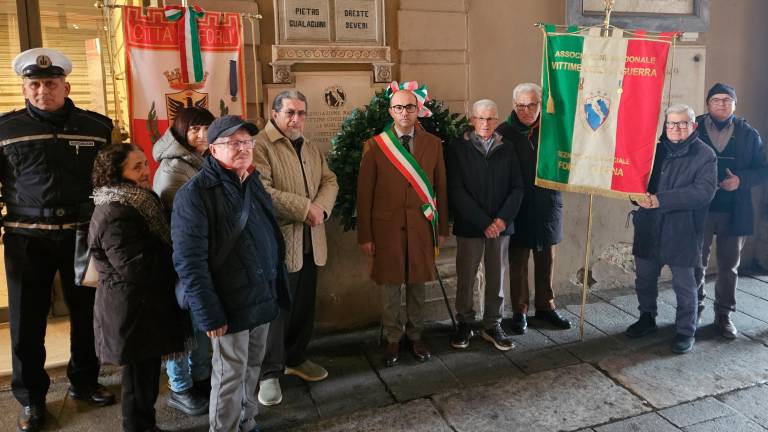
596	109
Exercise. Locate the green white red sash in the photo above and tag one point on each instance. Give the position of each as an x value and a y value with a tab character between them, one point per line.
406	164
189	40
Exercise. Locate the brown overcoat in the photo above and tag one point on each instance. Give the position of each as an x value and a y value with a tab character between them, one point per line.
389	212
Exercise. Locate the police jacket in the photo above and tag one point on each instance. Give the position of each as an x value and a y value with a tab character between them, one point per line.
241	287
46	161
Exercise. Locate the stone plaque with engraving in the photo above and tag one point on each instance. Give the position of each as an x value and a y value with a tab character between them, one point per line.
331	97
357	20
687	79
305	20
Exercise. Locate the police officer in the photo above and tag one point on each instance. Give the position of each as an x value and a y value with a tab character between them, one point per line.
46	156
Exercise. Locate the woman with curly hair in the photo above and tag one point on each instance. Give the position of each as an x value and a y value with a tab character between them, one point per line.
136	318
180	154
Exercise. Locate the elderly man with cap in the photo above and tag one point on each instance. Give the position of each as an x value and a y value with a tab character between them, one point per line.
47	151
228	253
741	165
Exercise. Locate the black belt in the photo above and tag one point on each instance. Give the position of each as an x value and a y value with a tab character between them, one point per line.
84	209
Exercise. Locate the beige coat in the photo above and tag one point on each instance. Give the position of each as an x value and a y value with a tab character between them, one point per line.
389	212
280	170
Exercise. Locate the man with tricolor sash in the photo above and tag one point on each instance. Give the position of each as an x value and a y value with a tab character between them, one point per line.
402	214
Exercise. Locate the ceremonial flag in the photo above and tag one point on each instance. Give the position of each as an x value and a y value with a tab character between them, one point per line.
601	97
180	57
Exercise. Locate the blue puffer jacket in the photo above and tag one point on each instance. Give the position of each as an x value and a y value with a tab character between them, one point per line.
684	179
247	289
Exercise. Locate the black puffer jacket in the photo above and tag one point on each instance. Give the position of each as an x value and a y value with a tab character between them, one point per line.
135	316
684	179
540	219
46	162
482	187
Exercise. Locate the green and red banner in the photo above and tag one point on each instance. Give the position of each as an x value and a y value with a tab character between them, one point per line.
180	57
601	98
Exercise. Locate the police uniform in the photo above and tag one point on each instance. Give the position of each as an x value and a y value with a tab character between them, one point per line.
46	159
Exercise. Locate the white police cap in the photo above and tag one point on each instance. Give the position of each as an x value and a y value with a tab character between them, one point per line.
42	62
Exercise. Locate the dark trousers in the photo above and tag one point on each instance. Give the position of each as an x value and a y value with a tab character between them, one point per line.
30	264
291	332
543	265
728	259
683	282
141	385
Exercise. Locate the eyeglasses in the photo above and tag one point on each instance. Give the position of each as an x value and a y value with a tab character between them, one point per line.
679	124
721	101
486	119
410	108
235	145
527	107
292	113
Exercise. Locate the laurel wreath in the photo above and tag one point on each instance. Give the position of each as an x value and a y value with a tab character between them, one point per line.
371	120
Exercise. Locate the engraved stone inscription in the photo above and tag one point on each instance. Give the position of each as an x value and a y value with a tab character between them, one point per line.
642	6
356	20
306	20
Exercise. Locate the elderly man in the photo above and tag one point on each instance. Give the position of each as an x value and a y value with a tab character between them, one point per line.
484	193
669	225
539	223
741	165
229	254
303	189
393	216
46	157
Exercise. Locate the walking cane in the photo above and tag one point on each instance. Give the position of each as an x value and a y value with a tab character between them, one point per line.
445	297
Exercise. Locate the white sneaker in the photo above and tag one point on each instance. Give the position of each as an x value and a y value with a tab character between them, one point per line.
269	392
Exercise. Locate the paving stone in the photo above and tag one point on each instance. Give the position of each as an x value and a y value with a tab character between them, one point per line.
530	341
757	286
646	422
477	364
419	415
351	385
596	349
566	336
751	305
751	402
410	379
606	317
297	406
536	361
735	423
696	412
666	379
568	398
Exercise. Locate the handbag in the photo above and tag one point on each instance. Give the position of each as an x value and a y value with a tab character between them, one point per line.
85	268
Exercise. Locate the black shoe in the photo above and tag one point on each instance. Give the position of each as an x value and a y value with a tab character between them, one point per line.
683	344
644	326
725	325
97	395
497	337
462	336
31	418
519	323
188	402
554	318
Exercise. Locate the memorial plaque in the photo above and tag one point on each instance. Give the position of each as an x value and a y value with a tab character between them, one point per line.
642	6
306	20
331	97
357	20
687	80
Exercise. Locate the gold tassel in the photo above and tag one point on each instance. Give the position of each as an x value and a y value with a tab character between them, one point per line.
550	104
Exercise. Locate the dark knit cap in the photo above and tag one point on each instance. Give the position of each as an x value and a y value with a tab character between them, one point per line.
721	88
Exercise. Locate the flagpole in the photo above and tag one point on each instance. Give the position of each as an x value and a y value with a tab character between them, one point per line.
587	249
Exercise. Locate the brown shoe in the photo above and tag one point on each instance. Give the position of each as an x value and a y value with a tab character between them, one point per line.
420	351
391	352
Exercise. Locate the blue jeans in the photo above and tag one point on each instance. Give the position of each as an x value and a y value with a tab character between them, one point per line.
686	291
196	366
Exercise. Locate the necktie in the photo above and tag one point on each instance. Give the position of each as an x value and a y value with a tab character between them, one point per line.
405	141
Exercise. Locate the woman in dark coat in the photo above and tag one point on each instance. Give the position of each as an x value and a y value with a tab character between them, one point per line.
136	318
